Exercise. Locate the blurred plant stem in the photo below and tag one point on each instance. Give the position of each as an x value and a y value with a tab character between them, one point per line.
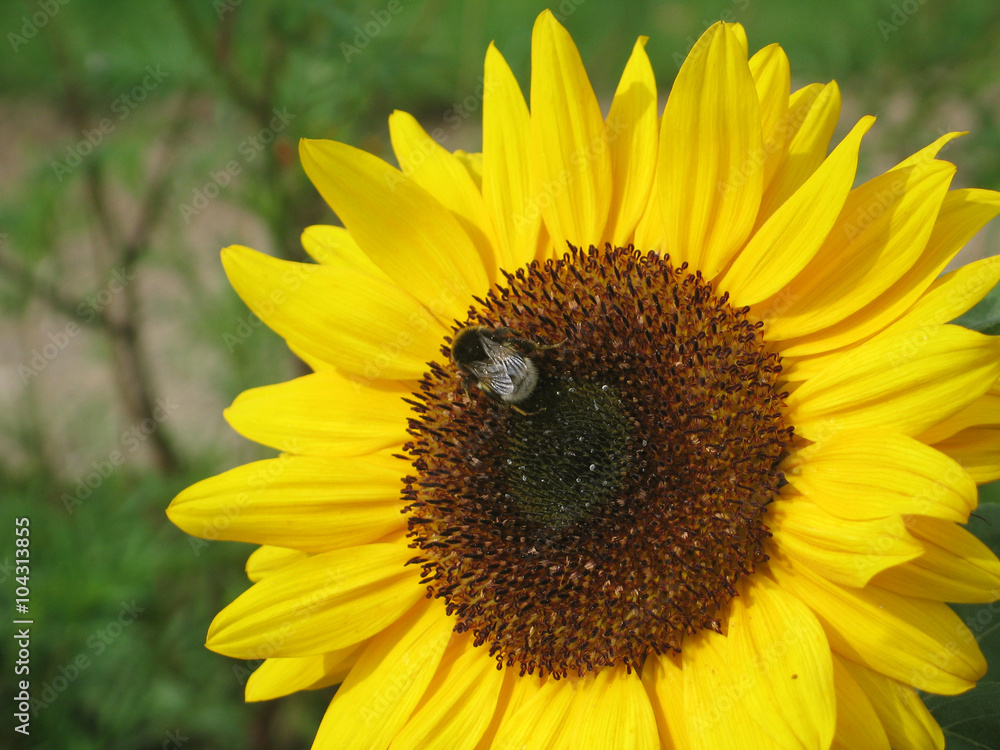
117	249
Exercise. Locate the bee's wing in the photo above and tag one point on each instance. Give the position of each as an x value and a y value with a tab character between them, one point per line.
495	377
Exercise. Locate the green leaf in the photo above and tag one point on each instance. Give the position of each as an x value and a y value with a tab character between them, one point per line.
985	316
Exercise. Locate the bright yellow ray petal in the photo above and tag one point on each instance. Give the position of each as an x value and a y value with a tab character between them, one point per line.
442	175
796	231
858	726
906	720
473	163
772	77
334	246
339	315
878	236
767	684
946	298
570	158
808	125
949	296
403	229
963	213
904	383
308	503
266	560
278	677
664	682
326	602
631	132
610	709
930	151
388	681
506	166
918	641
977	449
517	691
324	413
846	552
711	154
459	702
537	721
985	410
955	566
873	474
649	232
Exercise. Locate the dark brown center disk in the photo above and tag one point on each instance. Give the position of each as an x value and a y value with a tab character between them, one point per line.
613	511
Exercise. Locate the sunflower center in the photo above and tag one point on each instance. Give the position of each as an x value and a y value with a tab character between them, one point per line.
609	509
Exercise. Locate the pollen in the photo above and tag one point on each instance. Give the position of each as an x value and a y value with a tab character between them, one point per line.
613	512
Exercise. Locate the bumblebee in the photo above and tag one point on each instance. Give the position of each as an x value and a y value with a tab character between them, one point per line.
496	360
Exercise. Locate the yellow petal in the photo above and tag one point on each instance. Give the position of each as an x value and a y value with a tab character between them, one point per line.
334	246
649	232
277	677
768	683
324	413
985	410
878	236
403	229
949	296
605	709
791	237
326	602
506	164
710	158
930	151
473	163
631	132
873	474
906	720
537	721
664	681
387	682
570	158
977	449
308	503
963	213
808	125
903	383
442	175
516	692
946	298
917	641
772	77
611	709
955	566
342	316
846	552
266	560
858	726
459	702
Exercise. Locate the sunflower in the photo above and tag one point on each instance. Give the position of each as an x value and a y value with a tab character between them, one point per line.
723	511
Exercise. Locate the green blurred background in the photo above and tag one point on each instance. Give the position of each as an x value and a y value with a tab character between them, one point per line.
122	342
